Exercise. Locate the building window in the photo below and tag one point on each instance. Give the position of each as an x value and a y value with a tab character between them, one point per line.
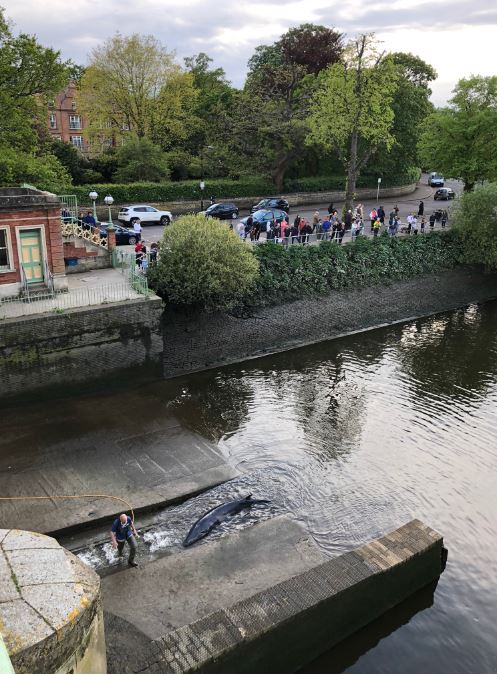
77	141
73	104
51	104
74	122
4	251
53	120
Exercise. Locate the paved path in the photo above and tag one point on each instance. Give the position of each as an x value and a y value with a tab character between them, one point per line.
117	444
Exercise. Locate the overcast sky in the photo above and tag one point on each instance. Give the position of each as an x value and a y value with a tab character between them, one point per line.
457	37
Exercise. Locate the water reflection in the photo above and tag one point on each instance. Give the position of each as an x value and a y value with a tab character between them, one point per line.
349	651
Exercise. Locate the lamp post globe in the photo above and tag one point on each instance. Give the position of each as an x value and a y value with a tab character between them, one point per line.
109	200
94	196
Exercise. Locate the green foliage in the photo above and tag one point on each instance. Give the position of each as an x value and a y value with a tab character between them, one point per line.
203	263
77	166
353	112
297	271
475	219
189	190
460	140
140	160
44	172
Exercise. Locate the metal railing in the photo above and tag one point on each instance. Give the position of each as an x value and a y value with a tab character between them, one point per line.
85	231
126	263
58	302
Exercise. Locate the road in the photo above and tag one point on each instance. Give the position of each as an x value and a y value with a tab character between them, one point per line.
406	204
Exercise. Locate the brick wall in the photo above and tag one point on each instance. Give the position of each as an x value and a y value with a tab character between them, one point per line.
79	345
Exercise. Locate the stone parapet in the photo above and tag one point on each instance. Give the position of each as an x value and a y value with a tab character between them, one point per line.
50	608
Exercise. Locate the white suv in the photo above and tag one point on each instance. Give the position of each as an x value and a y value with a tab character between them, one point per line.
146	214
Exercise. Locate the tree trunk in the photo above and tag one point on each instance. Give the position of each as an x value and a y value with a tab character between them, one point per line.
278	174
351	174
468	186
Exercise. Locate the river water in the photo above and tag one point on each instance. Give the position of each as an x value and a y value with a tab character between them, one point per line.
353	438
356	436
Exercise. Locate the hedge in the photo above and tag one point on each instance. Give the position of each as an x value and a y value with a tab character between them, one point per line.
296	271
227	189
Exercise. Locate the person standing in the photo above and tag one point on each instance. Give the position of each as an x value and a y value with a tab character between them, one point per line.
432	221
410	219
421	208
445	217
381	214
123	531
422	225
330	209
414	225
376	227
137	228
372	216
348	219
341	232
360	211
139	254
154	250
326	226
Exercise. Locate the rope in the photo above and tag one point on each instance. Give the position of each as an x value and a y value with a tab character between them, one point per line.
50	498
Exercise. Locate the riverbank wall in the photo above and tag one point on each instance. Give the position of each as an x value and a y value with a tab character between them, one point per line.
202	341
79	345
283	627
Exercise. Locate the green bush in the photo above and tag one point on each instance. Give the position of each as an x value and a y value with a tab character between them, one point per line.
45	171
297	271
475	219
203	263
221	188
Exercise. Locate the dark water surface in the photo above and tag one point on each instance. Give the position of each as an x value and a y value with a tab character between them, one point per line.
355	437
352	438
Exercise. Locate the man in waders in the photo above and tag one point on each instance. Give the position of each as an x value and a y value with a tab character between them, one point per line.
123	530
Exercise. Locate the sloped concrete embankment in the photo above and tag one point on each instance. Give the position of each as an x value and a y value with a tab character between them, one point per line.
263	600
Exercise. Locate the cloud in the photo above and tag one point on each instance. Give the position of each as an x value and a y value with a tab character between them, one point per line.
443	33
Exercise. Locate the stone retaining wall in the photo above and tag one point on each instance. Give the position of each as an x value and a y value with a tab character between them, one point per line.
294	199
280	629
202	341
78	345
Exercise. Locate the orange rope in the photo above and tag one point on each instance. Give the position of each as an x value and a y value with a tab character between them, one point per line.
39	498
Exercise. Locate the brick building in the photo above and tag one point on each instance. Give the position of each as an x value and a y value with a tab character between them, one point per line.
64	120
31	248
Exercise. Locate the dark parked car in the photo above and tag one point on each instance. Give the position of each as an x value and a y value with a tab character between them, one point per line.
437	181
124	237
265	215
444	193
272	202
222	211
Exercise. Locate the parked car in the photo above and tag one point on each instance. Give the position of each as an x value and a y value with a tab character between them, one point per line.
124	236
437	181
265	215
222	211
146	214
272	202
444	193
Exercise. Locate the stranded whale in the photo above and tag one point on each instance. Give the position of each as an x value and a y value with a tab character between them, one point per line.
217	515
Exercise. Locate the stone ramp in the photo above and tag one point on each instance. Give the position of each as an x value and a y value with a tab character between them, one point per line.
176	590
116	444
216	621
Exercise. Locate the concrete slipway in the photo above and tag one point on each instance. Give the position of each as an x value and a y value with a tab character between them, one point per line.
264	600
104	444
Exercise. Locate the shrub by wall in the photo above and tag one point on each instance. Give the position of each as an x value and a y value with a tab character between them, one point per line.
297	271
227	189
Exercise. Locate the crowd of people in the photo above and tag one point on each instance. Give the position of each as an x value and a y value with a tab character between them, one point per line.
332	227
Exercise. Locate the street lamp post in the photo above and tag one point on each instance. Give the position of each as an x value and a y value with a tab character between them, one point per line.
202	183
378	191
109	201
94	196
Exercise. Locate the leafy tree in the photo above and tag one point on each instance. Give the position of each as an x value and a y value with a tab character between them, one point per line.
352	110
411	105
122	83
45	172
475	218
280	83
203	263
460	140
140	160
172	118
29	75
73	161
